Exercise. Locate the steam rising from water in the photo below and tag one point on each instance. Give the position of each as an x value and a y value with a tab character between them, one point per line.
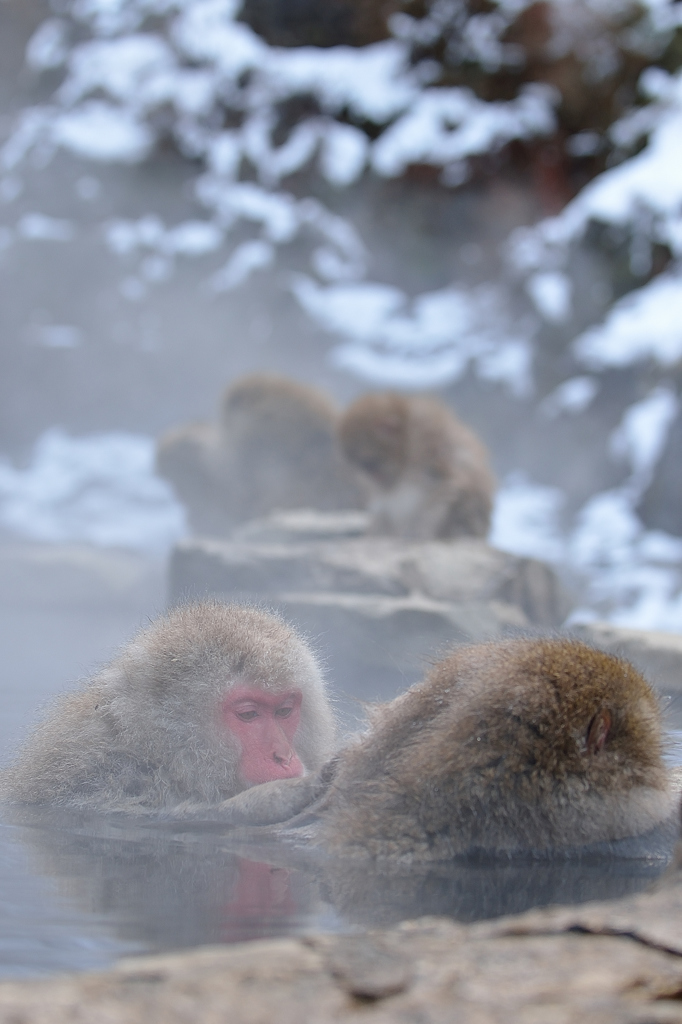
102	489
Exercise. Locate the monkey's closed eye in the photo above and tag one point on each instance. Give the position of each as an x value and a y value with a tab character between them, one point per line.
598	731
247	716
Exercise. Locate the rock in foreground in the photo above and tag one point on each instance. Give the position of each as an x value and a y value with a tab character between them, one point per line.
603	962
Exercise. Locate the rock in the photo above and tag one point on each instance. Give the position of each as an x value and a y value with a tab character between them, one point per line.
382	608
304	524
376	645
313	552
600	964
657	655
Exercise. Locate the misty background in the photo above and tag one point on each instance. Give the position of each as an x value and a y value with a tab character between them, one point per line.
482	200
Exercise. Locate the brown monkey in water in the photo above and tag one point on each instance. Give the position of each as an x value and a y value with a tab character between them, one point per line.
207	701
426	474
517	745
275	446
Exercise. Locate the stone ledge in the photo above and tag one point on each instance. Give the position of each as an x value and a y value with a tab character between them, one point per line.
454	571
379	609
603	963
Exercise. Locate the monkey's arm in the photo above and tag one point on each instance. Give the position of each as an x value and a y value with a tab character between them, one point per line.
272	802
266	804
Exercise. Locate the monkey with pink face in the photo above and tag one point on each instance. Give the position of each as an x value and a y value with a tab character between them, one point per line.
206	702
517	745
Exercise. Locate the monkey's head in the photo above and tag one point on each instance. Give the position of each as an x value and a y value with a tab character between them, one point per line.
223	697
555	708
261	400
374	436
529	743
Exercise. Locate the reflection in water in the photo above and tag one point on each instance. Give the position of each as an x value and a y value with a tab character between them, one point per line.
150	887
166	891
475	891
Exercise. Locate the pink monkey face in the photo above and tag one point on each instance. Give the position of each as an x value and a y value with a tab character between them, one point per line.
265	725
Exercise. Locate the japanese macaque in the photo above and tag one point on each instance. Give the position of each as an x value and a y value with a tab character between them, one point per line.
426	474
207	701
275	446
524	745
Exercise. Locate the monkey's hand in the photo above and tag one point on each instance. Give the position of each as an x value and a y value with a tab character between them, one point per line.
272	802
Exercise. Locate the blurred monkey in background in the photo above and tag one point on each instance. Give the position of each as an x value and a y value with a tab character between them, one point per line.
208	701
275	446
426	474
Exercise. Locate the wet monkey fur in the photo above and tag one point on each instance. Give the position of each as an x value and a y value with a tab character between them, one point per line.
524	745
426	474
275	445
208	700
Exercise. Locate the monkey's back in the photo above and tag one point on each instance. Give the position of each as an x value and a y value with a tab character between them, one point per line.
279	448
488	755
427	474
78	757
455	465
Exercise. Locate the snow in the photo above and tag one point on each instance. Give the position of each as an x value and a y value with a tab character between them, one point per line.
642	433
525	519
275	212
101	131
48	46
446	125
199	67
628	576
427	341
646	185
132	66
344	153
246	258
100	489
644	324
572	396
373	82
193	238
628	584
188	238
551	293
40	227
206	31
122	68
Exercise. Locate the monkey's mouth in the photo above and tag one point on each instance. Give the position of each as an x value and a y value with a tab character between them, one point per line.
272	769
289	769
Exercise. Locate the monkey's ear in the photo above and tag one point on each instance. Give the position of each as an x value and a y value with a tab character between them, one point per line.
598	731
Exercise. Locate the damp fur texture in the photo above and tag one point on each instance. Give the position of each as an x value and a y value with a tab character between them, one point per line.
145	732
491	753
427	475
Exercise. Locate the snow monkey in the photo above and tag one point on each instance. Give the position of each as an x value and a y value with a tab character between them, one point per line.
426	474
275	446
513	746
207	701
